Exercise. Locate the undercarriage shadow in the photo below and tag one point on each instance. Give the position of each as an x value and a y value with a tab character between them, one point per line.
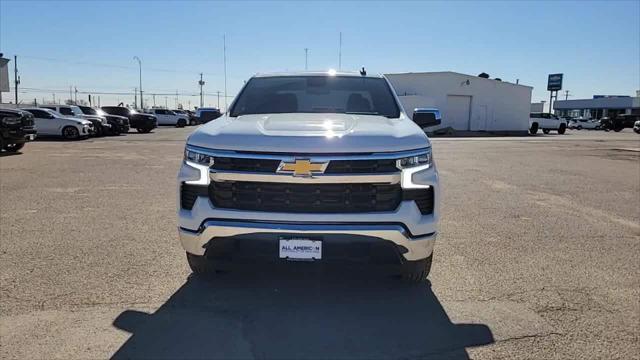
308	315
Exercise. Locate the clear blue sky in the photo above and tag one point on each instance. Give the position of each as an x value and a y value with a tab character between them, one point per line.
595	44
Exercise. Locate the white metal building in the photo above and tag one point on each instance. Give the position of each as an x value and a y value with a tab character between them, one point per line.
466	102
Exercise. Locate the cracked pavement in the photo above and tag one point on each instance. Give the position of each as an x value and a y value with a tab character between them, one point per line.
537	258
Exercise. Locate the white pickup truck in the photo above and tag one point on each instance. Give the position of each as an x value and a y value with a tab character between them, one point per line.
313	167
546	122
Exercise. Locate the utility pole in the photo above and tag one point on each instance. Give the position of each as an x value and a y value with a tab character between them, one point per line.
201	83
16	78
135	98
176	99
140	66
224	41
54	98
218	92
165	102
306	58
566	95
340	53
154	100
76	95
70	93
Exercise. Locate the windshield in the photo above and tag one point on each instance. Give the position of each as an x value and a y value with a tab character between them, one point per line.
77	111
88	110
316	94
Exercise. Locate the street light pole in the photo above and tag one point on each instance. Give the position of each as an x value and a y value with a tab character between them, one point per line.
306	57
140	66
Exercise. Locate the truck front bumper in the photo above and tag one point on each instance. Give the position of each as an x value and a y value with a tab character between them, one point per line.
410	247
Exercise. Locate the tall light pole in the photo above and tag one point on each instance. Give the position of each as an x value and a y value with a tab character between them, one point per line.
340	53
224	51
306	58
140	66
201	83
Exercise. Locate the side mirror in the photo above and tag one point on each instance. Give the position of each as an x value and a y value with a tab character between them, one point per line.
426	117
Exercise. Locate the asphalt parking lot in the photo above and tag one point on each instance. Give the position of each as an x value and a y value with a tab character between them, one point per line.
537	258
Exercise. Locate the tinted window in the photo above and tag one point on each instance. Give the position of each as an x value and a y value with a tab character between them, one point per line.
160	112
88	110
40	114
116	110
66	111
316	94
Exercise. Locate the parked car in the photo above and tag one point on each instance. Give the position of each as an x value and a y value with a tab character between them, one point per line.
204	115
636	127
626	120
119	124
188	114
169	117
16	128
588	124
144	123
546	122
321	167
100	125
52	123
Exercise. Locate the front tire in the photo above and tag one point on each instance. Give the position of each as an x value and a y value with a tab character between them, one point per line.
181	123
533	129
417	271
562	129
200	265
144	130
70	133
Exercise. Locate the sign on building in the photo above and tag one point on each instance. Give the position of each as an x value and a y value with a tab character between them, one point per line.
555	82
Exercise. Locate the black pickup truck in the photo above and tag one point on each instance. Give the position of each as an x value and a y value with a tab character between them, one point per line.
16	128
144	123
119	124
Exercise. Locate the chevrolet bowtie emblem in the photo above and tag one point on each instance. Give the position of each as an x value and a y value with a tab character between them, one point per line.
302	168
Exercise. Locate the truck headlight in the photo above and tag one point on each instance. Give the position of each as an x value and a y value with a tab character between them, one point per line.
417	160
198	158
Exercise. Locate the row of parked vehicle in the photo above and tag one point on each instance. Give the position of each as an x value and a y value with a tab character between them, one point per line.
18	126
550	122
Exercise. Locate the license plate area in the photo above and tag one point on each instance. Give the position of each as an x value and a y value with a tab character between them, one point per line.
299	248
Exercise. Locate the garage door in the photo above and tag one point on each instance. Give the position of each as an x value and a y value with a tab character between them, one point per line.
458	112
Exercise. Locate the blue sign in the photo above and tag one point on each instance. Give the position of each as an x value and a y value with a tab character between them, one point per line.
555	82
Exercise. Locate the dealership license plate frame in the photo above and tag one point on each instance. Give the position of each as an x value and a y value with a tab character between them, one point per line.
300	248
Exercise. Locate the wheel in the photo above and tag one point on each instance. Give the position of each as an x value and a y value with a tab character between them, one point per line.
200	265
636	130
192	122
546	131
70	132
534	129
618	129
13	147
579	127
99	131
562	129
181	123
417	271
144	130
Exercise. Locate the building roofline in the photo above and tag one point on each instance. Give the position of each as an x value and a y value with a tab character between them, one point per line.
456	73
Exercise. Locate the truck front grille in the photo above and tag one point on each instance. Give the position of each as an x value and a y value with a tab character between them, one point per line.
305	198
335	166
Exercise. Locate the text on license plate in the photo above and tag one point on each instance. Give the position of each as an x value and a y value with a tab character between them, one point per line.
300	249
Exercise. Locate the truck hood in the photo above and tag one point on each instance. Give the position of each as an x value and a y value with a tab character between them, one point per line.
310	133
